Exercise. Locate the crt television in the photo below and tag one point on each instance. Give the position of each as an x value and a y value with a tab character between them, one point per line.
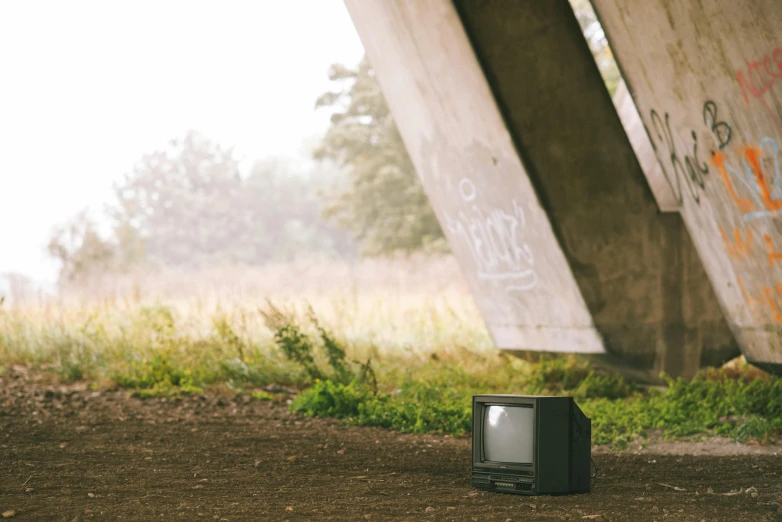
530	445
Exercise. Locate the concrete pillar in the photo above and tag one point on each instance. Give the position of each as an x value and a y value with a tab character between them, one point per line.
704	75
531	174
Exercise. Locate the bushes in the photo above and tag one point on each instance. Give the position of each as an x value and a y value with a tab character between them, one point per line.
300	347
437	396
730	407
350	390
333	399
736	409
158	376
416	408
556	374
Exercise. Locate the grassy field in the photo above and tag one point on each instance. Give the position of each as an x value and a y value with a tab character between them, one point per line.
396	344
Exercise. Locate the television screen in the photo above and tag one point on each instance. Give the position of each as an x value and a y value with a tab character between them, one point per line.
530	445
509	434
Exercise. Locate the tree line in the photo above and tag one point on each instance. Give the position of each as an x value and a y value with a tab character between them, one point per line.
189	204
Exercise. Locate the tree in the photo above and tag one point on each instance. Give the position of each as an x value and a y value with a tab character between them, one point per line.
384	204
80	249
189	204
16	288
185	203
284	202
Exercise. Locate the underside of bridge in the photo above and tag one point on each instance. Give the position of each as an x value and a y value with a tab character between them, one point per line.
648	240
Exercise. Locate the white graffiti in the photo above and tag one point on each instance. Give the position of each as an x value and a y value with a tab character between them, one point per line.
467	189
493	237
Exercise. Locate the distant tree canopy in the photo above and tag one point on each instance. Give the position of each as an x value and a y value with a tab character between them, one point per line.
81	249
189	205
383	204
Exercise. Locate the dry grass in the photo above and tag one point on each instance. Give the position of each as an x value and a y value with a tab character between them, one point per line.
398	312
243	284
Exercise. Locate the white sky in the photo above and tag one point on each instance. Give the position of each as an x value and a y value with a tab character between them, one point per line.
87	87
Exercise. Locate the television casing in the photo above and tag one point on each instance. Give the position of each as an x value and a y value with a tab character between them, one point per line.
562	448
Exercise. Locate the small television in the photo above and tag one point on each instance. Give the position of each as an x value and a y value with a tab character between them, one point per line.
530	445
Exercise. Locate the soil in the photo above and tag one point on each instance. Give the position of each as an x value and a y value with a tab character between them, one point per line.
68	453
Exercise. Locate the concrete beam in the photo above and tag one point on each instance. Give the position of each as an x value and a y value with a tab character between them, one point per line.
475	181
537	187
705	76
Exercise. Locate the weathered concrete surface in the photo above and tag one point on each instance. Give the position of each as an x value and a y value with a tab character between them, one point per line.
480	192
705	77
636	282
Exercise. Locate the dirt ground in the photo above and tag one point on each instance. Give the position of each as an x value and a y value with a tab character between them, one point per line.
67	453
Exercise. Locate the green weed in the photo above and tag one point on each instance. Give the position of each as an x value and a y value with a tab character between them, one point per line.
438	398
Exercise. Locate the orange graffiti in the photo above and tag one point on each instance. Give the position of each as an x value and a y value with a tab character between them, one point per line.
767	300
773	253
753	157
771	304
747	297
744	204
740	246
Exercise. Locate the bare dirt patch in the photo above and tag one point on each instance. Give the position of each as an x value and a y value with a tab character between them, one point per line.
67	453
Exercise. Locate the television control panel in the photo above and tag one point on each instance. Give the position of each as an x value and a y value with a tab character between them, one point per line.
522	482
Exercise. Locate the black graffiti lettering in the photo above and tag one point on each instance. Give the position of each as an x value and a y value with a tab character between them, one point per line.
677	190
696	169
693	172
721	130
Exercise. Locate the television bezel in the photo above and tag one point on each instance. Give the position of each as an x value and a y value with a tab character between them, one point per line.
479	416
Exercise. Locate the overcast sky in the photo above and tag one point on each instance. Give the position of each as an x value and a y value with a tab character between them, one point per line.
87	87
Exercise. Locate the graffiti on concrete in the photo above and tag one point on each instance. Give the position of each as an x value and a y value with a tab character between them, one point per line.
764	298
742	243
686	168
494	239
739	246
720	130
677	167
750	174
759	77
755	198
748	186
768	299
493	236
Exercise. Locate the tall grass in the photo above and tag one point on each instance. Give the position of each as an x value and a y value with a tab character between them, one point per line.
411	323
398	312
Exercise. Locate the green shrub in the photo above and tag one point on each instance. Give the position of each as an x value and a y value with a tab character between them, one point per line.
299	347
728	407
620	412
333	399
158	376
416	408
556	374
